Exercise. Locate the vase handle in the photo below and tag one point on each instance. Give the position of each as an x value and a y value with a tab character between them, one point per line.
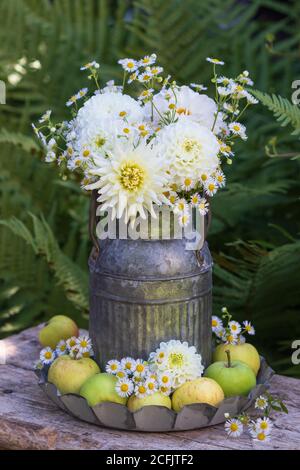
92	225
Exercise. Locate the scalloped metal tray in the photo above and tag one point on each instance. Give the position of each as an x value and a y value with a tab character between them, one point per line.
155	418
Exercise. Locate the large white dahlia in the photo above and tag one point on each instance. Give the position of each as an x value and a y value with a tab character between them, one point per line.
189	148
130	182
189	103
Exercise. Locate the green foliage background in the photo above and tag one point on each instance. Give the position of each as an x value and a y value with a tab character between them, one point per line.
255	231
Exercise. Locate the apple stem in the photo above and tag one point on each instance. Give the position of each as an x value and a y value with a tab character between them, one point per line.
228	358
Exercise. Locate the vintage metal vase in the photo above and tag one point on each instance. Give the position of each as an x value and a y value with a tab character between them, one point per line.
143	292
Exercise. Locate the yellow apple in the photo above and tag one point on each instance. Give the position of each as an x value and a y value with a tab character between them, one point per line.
68	375
57	328
202	390
101	388
159	399
238	352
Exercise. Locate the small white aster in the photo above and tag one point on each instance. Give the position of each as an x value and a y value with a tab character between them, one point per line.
90	65
261	403
46	116
235	327
234	427
72	100
248	327
165	379
124	387
140	390
183	219
198	86
83	343
81	93
238	129
113	366
259	436
181	206
47	356
129	65
151	385
154	70
215	61
203	206
210	187
263	424
146	94
195	199
61	348
187	184
216	323
144	77
128	365
141	368
147	60
220	178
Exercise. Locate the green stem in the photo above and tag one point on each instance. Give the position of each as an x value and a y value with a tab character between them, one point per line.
228	358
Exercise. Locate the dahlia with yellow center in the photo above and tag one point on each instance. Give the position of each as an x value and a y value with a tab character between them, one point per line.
130	182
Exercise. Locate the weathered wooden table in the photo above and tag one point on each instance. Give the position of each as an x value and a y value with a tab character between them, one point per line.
28	420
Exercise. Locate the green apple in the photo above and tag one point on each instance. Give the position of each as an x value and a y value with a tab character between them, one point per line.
239	352
159	399
202	390
235	377
100	388
68	375
57	328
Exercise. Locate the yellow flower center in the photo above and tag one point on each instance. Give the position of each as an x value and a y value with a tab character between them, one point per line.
86	354
220	178
236	128
141	127
184	219
181	206
63	347
202	207
164	389
233	327
261	436
72	343
86	153
70	150
126	130
142	389
124	388
146	77
130	65
172	106
113	366
83	343
234	427
264	425
144	133
165	379
78	163
214	323
176	360
172	199
211	187
122	113
100	141
151	385
132	176
190	145
48	355
140	368
203	177
128	365
187	182
230	338
183	111
121	374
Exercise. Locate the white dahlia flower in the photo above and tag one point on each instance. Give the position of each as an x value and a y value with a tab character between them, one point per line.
197	107
110	105
130	182
179	360
189	148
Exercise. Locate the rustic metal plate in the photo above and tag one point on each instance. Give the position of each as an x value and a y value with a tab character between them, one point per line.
155	418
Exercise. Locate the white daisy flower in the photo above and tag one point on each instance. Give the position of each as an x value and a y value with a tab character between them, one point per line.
237	91
210	187
121	374
124	387
203	206
140	390
224	80
141	368
132	77
187	183
261	403
263	424
220	333
144	77
72	100
245	79
229	338
220	178
230	108
248	327
129	65
225	149
113	366
181	206
198	86
46	116
128	365
51	148
71	342
241	339
238	129
89	353
223	91
61	348
235	327
154	70
47	356
234	427
250	98
204	176
172	197
150	385
74	352
216	323
82	93
147	60
90	65
84	343
165	379
165	390
146	94
259	436
195	199
215	61
184	219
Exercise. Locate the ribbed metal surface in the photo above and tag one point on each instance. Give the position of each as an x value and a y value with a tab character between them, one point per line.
140	300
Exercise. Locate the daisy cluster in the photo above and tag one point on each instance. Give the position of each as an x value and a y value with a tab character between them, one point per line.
171	365
229	331
259	428
165	145
75	347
